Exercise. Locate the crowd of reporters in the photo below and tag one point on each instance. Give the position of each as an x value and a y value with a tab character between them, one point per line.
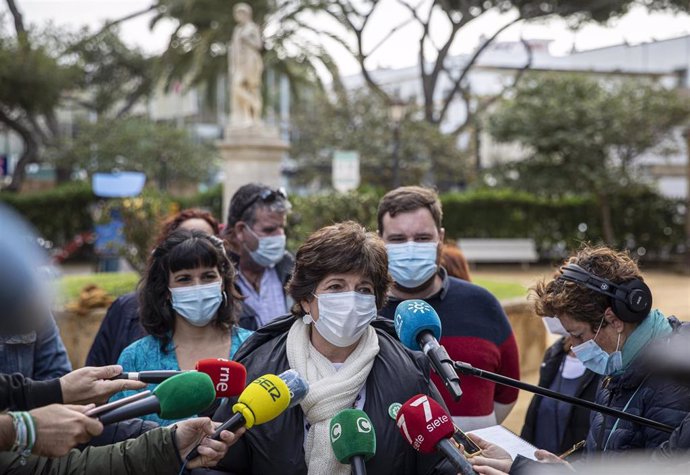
331	313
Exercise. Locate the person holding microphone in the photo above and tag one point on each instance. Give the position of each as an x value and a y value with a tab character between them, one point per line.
350	358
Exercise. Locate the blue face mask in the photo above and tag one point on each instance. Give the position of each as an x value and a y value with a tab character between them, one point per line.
412	263
597	360
197	304
270	251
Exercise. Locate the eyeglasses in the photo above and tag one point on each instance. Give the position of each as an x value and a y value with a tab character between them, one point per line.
266	196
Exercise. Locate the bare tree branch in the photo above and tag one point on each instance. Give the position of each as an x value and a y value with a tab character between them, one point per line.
457	83
484	105
18	18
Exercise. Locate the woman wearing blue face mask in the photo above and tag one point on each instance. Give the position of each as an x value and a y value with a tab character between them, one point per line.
188	308
601	300
350	358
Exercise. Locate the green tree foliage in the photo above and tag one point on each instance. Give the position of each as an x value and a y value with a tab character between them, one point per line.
163	152
42	71
582	135
360	122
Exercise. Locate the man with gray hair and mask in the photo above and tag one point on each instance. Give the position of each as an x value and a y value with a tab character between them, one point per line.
255	232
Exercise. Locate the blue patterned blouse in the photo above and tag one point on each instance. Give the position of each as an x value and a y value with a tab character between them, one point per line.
146	355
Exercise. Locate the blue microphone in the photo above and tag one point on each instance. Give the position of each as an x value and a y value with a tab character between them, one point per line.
298	386
419	327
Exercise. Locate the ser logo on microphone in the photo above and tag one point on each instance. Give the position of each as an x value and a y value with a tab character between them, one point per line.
271	388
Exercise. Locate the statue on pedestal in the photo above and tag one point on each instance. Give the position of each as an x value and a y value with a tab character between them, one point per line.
246	68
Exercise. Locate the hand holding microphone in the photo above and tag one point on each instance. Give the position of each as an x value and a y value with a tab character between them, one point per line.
229	377
353	439
94	384
419	328
181	396
427	427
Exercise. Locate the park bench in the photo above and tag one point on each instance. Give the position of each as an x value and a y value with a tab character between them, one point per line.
499	251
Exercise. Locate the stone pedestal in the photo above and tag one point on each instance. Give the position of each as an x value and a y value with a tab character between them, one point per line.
250	154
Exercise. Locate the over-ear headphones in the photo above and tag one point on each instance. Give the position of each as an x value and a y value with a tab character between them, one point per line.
631	301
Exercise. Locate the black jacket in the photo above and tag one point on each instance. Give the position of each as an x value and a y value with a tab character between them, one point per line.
277	446
18	393
248	316
655	398
578	423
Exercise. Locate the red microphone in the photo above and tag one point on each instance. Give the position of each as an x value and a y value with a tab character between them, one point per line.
229	377
428	427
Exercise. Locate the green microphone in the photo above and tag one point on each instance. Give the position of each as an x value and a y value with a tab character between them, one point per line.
353	439
178	397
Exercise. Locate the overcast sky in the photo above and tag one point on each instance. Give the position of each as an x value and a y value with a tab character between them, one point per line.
638	26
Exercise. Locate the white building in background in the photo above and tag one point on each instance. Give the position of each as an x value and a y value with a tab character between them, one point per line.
665	60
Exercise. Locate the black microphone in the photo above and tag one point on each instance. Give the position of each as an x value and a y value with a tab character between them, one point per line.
150	377
419	327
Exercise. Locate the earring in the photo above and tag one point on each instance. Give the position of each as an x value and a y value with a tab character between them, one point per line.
307	319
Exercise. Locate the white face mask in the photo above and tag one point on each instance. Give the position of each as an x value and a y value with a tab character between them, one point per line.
343	316
270	251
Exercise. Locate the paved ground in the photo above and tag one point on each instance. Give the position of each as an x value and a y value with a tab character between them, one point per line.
671	295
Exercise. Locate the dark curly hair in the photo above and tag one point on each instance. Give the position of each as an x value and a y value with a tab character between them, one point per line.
340	248
183	249
555	296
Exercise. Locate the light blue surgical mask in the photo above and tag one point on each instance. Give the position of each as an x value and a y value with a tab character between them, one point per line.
197	304
412	263
270	251
597	360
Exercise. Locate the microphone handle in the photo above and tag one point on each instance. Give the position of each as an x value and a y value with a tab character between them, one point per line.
466	368
150	377
357	464
456	459
148	405
441	363
235	422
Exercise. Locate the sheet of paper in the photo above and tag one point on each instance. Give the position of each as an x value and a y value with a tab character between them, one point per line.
506	439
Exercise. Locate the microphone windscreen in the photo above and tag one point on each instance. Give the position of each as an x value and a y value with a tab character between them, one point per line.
297	385
412	317
185	395
264	399
352	433
229	377
424	423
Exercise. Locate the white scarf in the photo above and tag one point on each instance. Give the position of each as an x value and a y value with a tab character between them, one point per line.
330	391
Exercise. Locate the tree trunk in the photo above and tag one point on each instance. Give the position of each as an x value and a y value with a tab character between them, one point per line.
62	175
606	221
30	154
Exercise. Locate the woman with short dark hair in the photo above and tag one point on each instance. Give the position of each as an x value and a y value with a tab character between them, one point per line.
350	358
188	307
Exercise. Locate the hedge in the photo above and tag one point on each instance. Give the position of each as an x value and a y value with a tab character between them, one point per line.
643	221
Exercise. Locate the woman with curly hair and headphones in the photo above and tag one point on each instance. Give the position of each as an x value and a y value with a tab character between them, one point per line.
188	308
600	297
